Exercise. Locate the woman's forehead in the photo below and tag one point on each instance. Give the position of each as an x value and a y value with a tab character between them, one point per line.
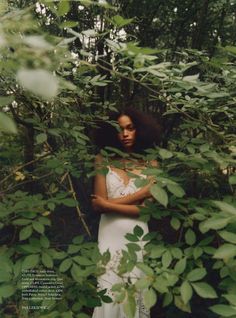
124	121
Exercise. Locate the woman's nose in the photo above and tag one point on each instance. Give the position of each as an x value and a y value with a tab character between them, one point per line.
125	132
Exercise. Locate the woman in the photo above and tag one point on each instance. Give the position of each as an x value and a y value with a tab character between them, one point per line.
118	198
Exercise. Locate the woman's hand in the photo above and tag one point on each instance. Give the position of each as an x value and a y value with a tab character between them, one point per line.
99	203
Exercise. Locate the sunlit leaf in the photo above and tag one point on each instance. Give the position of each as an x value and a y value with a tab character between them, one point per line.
7	124
40	82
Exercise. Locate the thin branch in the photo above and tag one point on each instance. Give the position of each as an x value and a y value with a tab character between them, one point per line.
24	165
77	207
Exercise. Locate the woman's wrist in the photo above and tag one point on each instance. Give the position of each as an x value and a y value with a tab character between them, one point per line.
107	206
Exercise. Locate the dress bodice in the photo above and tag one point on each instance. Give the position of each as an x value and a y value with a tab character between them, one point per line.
116	186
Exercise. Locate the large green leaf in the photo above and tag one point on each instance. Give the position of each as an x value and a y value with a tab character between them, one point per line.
7	124
65	265
180	266
149	298
30	261
228	236
196	274
204	290
159	194
186	291
38	81
38	227
225	207
225	251
25	232
224	310
7	290
130	306
47	260
190	237
176	190
213	223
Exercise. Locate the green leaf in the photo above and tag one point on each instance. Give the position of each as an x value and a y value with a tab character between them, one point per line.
82	260
30	261
231	298
225	207
145	268
159	194
168	298
131	237
213	223
130	307
68	24
161	284
175	223
72	249
65	265
166	259
157	251
176	190
197	252
149	298
41	138
196	274
225	251
228	236
40	82
180	266
69	202
5	100
7	124
191	78
165	154
143	282
176	252
181	305
63	8
25	232
37	42
21	221
186	292
44	241
138	231
133	247
223	310
44	220
204	290
78	239
47	260
120	21
7	290
4	276
232	180
190	237
38	227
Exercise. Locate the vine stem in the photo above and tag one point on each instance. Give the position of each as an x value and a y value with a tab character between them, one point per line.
77	207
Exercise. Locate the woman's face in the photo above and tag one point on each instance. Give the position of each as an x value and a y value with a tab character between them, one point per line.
127	134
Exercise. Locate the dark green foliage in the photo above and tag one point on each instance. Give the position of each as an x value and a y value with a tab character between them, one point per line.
51	100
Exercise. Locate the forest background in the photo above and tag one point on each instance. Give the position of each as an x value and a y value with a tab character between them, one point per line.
64	65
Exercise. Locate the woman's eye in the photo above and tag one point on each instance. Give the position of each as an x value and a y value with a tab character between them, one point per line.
130	128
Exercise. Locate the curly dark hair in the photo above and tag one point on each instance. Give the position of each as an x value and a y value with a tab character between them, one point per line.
148	131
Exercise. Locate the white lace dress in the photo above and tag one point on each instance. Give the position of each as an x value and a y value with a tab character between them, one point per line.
111	235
